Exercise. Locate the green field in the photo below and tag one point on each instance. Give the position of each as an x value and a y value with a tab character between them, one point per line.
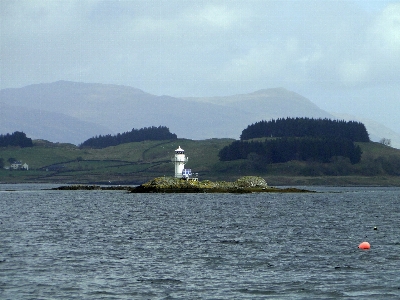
135	163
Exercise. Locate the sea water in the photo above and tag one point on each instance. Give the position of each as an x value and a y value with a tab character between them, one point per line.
116	245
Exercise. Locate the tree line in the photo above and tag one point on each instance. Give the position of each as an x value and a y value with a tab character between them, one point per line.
285	149
307	127
303	139
135	135
17	139
11	160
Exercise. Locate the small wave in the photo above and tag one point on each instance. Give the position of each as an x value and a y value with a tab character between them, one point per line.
160	280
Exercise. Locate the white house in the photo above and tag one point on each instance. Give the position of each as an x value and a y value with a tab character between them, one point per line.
17	165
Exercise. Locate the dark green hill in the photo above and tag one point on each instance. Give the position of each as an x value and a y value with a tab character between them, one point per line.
135	163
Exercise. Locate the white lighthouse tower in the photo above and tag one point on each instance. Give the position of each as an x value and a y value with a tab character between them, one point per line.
179	160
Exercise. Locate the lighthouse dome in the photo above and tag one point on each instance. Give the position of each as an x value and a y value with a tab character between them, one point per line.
179	151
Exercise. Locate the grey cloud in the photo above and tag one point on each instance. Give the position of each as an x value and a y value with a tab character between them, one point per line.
322	49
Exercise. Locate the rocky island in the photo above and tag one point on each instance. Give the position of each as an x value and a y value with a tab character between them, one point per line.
247	184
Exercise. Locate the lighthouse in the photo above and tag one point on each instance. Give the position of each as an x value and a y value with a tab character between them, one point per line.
179	160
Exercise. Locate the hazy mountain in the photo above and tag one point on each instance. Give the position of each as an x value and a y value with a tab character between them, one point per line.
268	103
122	108
52	126
73	112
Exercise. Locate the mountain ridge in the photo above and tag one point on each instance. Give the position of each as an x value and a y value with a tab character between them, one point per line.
110	109
52	126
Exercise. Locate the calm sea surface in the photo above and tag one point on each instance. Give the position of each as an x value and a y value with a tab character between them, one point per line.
116	245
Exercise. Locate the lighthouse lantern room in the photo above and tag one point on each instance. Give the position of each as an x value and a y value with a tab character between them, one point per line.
179	160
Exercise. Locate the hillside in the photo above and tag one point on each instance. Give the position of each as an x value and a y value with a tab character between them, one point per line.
135	163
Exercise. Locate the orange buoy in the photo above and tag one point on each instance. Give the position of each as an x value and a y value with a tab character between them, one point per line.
364	246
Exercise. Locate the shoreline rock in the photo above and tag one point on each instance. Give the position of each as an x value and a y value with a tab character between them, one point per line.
82	187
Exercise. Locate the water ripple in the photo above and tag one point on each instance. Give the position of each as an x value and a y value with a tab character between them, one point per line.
115	245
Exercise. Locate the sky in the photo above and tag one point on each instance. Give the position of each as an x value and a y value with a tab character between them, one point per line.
342	55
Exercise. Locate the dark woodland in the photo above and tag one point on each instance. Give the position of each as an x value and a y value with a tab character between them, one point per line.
135	135
17	139
299	139
281	150
306	127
